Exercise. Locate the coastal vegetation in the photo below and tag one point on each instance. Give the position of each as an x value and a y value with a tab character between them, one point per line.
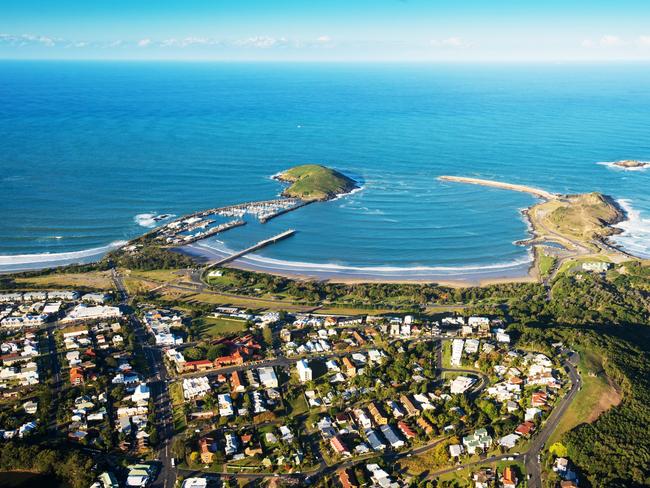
148	258
313	182
612	450
72	467
93	280
578	218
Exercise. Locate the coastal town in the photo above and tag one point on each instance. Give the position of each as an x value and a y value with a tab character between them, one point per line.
207	375
298	398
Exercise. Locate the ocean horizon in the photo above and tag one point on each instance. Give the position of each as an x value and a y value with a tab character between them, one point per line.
92	151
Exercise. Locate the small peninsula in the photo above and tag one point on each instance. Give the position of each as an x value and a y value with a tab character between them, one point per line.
579	223
314	182
631	164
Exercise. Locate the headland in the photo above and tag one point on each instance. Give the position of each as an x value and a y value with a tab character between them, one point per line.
565	226
313	182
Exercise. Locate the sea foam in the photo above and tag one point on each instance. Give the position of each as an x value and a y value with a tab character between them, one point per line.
635	237
614	166
15	261
145	220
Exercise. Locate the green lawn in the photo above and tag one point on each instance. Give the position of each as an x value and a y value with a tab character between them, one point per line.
177	399
446	354
298	406
216	327
596	396
546	264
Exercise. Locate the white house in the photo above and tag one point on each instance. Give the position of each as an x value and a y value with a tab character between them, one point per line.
141	394
267	377
304	371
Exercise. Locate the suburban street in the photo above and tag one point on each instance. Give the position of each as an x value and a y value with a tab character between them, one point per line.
157	383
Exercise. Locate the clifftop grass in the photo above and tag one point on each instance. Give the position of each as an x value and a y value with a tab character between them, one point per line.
581	217
312	182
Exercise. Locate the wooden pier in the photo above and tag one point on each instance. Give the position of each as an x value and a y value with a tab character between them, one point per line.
259	245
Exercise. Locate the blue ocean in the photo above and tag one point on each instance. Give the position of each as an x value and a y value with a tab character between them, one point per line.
91	151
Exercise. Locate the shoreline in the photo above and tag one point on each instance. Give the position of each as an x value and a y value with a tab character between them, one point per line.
476	275
524	271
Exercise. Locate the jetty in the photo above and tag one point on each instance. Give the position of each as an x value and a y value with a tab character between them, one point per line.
543	194
259	245
265	218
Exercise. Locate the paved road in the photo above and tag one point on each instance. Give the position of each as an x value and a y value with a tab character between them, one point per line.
157	382
531	457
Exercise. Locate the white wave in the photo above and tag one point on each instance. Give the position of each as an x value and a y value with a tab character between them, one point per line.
145	220
331	267
46	258
614	166
350	193
635	237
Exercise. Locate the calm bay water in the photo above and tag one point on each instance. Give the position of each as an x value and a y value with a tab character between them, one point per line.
87	150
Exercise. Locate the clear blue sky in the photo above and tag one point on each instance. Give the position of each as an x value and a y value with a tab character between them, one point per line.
332	30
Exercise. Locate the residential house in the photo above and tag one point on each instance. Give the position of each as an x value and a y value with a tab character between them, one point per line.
508	478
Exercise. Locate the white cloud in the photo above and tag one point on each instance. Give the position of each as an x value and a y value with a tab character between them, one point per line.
261	42
587	43
189	41
611	41
324	39
27	40
643	41
144	42
451	42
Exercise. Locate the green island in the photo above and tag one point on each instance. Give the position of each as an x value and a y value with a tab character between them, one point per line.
314	182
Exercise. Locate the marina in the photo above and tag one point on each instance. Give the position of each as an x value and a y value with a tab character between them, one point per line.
208	223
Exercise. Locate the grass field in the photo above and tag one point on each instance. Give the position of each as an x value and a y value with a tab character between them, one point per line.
216	327
596	396
446	354
97	280
567	265
177	399
162	275
546	264
298	406
351	311
247	303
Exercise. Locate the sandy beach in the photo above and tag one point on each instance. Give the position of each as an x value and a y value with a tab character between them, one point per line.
453	277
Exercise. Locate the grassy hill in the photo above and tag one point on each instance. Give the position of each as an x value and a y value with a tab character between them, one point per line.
315	182
583	217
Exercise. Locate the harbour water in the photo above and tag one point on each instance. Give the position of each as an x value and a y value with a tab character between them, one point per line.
90	152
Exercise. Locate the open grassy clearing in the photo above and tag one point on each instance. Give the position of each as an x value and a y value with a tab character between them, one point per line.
215	327
261	304
162	275
97	280
177	399
351	311
546	264
597	395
